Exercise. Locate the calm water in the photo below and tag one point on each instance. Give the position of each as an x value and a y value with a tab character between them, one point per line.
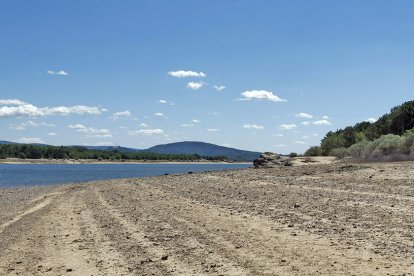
19	175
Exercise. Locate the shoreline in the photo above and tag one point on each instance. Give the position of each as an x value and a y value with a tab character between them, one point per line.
106	162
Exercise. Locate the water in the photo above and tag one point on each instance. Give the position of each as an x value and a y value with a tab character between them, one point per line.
21	175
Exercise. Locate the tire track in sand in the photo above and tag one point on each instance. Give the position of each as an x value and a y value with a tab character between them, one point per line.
47	199
173	265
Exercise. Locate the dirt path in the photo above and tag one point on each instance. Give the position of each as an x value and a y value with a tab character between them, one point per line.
324	220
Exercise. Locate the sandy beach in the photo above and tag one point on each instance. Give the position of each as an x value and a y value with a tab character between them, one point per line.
338	219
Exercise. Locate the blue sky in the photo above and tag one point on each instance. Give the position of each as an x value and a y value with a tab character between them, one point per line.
256	75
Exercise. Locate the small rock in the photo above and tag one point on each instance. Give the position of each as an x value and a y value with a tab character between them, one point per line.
164	258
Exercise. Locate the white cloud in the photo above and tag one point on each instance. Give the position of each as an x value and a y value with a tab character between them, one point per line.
185	74
103	144
60	72
219	87
27	140
166	102
52	134
144	125
287	126
91	132
146	132
225	145
213	129
321	122
281	146
261	95
317	123
195	121
12	102
23	126
77	126
299	142
17	127
195	85
16	108
187	125
159	114
371	120
37	124
121	115
325	117
278	135
304	115
253	126
62	110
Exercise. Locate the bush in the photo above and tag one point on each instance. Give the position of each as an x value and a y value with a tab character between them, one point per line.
339	153
314	151
384	146
357	150
407	143
293	154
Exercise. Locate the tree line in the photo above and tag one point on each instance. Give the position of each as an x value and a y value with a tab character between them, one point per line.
28	151
392	134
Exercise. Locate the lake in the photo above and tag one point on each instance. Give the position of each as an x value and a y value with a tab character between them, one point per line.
20	175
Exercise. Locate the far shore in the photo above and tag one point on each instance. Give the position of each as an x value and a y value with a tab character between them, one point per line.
95	161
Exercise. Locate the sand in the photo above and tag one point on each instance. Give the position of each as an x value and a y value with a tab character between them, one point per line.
337	219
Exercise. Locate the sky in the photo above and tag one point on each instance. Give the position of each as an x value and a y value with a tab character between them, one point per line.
256	75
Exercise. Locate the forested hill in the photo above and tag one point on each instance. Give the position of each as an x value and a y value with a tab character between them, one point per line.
392	133
25	151
205	149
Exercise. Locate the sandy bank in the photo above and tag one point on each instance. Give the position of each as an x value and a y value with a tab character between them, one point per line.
337	219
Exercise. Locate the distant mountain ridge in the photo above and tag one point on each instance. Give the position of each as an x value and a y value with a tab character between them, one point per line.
7	143
111	148
186	147
205	149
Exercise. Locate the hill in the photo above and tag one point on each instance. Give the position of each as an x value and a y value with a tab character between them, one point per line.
204	149
181	148
113	148
7	143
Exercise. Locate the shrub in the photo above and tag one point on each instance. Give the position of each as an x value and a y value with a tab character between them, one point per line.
407	143
387	145
339	152
357	150
293	154
314	151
